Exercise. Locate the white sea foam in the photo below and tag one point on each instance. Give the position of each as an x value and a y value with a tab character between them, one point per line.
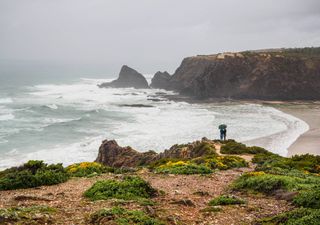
5	100
6	117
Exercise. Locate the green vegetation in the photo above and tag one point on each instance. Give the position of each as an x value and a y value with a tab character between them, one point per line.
233	147
26	215
226	200
225	162
130	188
87	169
181	167
308	199
120	216
300	216
32	174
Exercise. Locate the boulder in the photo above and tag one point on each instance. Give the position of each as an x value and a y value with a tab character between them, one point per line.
128	77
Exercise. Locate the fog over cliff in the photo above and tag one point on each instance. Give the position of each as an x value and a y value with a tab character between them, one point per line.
96	37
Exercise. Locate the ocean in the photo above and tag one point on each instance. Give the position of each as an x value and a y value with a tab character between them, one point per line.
67	121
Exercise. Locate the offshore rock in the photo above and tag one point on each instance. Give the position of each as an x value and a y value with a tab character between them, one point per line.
160	80
128	77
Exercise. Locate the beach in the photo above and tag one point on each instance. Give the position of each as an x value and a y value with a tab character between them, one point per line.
308	142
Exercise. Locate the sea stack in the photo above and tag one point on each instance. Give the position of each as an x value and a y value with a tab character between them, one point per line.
128	77
160	80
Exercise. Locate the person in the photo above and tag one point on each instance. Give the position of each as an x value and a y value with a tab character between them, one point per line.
223	132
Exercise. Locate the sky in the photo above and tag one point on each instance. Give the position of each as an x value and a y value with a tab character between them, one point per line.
96	37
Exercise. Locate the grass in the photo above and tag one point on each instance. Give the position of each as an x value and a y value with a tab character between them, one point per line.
300	216
26	215
32	174
120	216
308	199
226	200
130	188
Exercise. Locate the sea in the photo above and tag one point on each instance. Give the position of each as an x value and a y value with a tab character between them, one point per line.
65	121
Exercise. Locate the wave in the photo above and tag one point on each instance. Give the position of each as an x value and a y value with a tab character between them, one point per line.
5	100
52	106
7	117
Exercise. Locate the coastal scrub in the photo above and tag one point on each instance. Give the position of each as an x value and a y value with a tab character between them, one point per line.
130	188
32	174
121	216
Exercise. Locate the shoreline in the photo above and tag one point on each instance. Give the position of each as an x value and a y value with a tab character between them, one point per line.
309	112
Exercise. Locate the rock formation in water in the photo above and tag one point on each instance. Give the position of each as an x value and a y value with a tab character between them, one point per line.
111	154
160	80
280	74
128	77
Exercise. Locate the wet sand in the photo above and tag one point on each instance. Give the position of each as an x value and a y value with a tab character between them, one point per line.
309	142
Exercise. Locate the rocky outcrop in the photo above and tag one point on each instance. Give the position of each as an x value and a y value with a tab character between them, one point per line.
111	154
283	74
128	77
160	80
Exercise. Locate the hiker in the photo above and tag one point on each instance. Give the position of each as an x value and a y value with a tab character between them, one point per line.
223	132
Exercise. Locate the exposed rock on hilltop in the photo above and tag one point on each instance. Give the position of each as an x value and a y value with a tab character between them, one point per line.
111	154
160	80
128	77
283	74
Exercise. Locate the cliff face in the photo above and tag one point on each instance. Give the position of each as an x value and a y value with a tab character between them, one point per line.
128	77
271	75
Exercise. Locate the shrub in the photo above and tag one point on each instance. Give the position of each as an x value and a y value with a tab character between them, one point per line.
308	199
26	215
267	183
295	217
181	167
267	161
226	200
87	169
120	216
131	187
239	148
32	174
204	148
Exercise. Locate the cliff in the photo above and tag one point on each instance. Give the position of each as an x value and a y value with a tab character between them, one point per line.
128	77
282	74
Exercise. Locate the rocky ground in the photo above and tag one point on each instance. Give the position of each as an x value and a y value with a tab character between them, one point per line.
184	199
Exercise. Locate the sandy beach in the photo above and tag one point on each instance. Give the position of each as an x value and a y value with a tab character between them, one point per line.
309	142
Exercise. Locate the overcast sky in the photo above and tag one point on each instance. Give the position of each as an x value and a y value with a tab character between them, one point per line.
150	35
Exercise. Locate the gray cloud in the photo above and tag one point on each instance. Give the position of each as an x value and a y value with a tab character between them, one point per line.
150	35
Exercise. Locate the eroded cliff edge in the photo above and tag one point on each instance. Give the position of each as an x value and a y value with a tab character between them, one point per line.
278	74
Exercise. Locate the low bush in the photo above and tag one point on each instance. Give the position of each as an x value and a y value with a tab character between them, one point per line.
300	216
226	200
85	169
181	167
260	181
267	161
27	215
308	199
233	147
130	188
120	216
226	162
32	174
